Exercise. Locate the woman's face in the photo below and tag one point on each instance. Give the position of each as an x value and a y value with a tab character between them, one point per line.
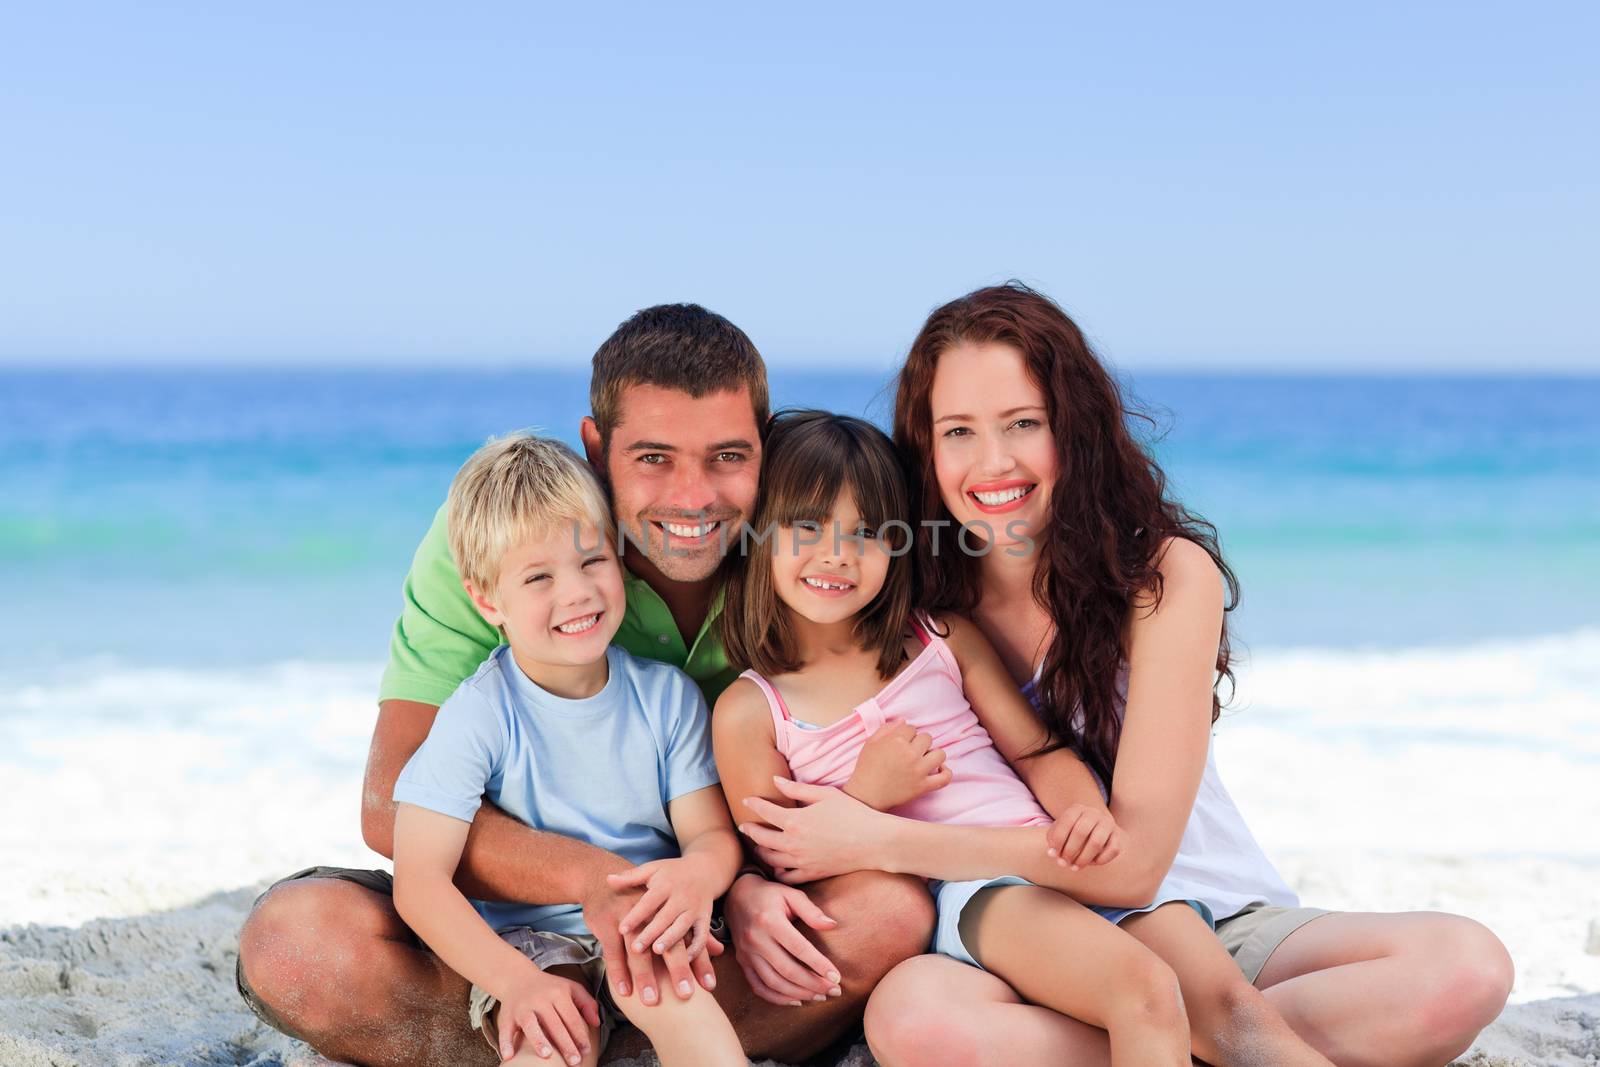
994	454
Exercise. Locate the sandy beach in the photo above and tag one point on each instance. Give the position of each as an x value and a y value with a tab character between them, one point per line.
1458	779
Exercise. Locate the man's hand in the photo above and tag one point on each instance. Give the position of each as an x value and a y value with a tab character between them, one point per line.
604	908
897	764
780	963
1084	834
678	894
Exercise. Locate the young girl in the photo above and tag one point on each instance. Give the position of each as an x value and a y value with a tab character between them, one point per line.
850	687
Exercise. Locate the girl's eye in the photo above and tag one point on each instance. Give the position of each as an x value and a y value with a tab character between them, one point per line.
808	526
867	532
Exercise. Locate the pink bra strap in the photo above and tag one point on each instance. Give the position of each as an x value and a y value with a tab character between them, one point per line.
920	631
779	710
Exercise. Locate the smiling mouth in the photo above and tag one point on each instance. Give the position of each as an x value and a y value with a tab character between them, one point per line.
681	531
1001	498
830	586
581	625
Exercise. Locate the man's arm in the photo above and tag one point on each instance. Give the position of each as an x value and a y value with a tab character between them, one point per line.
503	859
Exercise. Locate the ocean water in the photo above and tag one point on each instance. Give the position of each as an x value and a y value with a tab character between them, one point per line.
186	518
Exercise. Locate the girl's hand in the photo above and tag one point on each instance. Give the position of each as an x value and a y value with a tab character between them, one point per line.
897	765
1083	835
678	894
547	1010
828	832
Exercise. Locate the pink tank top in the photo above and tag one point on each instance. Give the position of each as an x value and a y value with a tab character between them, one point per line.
983	789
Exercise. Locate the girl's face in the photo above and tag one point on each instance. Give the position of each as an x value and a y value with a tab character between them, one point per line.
829	572
994	454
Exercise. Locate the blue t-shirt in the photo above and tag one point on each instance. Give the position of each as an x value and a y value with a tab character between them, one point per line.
600	770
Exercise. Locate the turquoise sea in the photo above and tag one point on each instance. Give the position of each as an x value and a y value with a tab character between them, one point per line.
194	519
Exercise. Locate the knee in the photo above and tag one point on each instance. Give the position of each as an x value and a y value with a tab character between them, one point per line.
296	942
1147	991
1473	979
884	919
910	1021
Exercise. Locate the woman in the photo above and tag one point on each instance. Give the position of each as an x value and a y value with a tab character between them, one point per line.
1105	600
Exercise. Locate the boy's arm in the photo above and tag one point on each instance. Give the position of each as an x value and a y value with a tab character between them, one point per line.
428	845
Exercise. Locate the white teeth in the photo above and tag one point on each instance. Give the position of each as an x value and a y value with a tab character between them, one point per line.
689	531
578	626
1005	496
823	583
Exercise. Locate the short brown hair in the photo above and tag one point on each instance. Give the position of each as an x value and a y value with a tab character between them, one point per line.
674	346
808	457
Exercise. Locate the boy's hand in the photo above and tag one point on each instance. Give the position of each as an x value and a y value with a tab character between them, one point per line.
678	894
1083	835
897	765
547	1009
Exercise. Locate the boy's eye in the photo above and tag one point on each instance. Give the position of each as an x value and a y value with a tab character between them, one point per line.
530	579
595	559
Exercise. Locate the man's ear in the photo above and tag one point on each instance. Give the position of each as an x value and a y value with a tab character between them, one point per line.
486	608
593	447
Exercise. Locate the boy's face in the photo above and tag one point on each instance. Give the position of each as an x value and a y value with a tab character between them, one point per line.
683	472
830	571
559	598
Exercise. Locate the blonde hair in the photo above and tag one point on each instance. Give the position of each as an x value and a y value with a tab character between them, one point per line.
514	489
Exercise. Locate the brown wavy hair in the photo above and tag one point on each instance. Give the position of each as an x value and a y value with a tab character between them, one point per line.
1109	511
806	458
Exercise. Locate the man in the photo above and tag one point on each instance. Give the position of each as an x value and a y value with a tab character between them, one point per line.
679	399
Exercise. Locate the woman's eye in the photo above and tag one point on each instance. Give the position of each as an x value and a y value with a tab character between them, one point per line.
956	431
1025	424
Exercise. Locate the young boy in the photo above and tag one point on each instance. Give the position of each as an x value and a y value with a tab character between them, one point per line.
570	735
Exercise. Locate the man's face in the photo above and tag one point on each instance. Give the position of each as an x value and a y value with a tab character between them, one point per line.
683	473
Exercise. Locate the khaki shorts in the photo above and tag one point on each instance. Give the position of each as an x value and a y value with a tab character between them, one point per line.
1253	935
548	950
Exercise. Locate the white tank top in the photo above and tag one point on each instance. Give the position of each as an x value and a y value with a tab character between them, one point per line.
1219	862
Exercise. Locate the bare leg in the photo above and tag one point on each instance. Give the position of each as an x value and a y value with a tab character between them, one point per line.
335	967
1059	954
1409	989
883	920
933	1011
685	1033
1231	1023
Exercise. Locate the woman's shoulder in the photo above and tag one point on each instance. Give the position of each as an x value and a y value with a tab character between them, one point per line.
1191	585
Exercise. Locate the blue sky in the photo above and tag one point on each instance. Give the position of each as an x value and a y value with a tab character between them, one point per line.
1387	186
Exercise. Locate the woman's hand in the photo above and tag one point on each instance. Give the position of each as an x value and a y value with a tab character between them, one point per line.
828	832
1084	834
897	765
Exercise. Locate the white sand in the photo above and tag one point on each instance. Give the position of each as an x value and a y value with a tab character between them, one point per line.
135	804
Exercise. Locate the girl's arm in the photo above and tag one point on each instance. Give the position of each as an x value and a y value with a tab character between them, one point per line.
746	748
1166	730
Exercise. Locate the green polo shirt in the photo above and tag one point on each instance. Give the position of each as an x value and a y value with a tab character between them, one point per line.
440	638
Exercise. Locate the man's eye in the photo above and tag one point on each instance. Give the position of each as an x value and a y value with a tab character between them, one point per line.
730	457
653	458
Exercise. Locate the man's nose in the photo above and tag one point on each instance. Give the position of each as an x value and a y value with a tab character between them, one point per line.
690	490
